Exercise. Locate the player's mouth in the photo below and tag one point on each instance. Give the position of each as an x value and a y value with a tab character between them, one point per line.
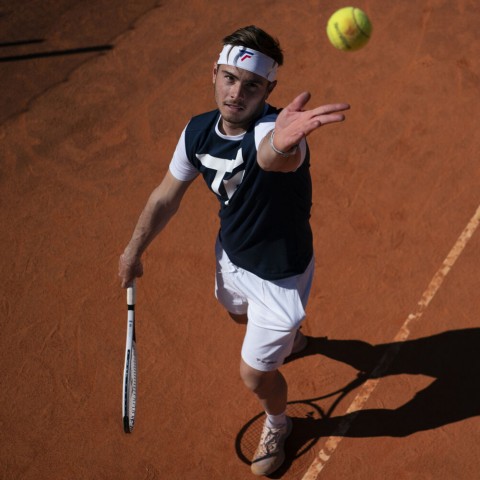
234	107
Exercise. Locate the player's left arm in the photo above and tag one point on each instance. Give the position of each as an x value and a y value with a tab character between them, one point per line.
278	150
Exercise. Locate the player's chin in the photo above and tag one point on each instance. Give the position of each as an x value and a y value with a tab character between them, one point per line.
240	116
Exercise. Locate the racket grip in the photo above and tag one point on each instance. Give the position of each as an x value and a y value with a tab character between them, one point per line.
131	294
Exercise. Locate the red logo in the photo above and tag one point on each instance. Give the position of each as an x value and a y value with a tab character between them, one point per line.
247	55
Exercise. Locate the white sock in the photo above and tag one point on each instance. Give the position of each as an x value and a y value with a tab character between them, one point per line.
276	421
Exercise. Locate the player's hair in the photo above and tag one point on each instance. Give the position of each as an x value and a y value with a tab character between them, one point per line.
258	39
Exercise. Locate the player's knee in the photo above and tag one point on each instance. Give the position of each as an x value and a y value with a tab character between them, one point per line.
255	380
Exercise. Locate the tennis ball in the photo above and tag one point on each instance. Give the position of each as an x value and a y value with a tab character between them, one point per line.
349	29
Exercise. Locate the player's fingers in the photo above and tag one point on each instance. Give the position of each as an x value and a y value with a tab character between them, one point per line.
320	120
330	108
299	102
328	114
128	284
128	271
127	280
331	118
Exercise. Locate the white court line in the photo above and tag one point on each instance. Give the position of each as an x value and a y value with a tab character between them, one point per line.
369	386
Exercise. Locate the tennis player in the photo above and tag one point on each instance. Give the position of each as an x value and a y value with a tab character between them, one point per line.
255	159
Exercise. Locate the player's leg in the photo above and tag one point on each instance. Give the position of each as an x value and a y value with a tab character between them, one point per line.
275	315
275	312
267	349
269	387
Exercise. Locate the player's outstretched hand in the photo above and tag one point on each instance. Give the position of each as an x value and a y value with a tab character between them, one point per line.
294	122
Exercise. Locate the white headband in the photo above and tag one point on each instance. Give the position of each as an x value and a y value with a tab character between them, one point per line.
249	59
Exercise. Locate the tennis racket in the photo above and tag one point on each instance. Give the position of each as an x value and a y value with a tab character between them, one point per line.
129	394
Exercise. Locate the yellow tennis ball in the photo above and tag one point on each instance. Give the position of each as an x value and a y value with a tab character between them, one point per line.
349	29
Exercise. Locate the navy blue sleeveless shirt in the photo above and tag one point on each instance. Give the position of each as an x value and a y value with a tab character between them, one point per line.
264	216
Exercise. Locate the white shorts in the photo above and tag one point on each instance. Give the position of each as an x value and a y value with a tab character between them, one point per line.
275	309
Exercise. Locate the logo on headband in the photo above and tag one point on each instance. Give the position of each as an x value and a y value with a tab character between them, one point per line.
245	55
249	59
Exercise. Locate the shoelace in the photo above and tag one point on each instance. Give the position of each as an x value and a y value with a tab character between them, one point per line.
270	439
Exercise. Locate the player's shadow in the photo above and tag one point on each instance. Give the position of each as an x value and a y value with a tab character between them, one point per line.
450	358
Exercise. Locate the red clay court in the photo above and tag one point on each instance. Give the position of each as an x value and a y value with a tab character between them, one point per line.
95	95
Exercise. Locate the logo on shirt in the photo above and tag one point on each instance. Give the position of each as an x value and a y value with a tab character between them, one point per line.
224	184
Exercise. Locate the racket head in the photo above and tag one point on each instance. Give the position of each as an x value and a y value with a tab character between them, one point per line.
305	416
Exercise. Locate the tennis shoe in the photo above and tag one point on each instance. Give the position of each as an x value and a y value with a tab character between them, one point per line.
270	453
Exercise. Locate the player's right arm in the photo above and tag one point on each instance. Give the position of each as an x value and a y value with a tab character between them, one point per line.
162	204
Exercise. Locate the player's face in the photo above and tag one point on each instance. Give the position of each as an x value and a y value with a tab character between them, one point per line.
240	97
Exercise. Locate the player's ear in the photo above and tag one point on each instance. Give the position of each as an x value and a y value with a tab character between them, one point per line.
215	71
270	88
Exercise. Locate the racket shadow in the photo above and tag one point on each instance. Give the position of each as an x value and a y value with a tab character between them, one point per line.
304	435
310	423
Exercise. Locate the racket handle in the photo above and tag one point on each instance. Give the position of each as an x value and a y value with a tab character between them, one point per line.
131	294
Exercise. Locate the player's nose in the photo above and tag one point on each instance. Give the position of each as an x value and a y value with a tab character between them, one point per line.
236	91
